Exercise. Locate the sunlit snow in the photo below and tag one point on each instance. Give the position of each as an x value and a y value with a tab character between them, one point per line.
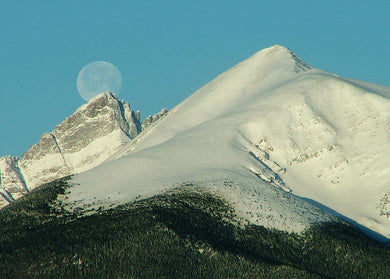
269	126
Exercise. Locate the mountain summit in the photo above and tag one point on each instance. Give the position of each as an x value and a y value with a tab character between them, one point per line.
270	121
248	178
271	126
278	57
82	141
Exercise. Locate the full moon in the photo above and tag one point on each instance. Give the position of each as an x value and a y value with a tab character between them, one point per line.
98	77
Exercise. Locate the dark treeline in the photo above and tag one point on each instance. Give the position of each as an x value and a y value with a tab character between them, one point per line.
181	234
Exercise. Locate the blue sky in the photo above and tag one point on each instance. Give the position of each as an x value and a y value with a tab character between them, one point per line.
166	50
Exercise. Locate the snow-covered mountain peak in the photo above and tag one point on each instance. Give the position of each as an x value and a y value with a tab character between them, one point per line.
277	58
107	95
270	121
260	72
83	140
88	137
102	100
234	89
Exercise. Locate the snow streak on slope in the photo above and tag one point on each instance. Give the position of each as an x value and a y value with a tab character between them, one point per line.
270	125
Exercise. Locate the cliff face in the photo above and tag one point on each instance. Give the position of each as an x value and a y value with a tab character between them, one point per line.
151	119
82	141
12	184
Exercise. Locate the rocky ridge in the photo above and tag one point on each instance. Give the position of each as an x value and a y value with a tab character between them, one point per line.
82	141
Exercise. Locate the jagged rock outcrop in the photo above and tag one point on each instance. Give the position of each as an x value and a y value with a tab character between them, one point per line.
82	141
151	119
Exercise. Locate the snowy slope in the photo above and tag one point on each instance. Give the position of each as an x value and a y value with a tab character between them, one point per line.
267	130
